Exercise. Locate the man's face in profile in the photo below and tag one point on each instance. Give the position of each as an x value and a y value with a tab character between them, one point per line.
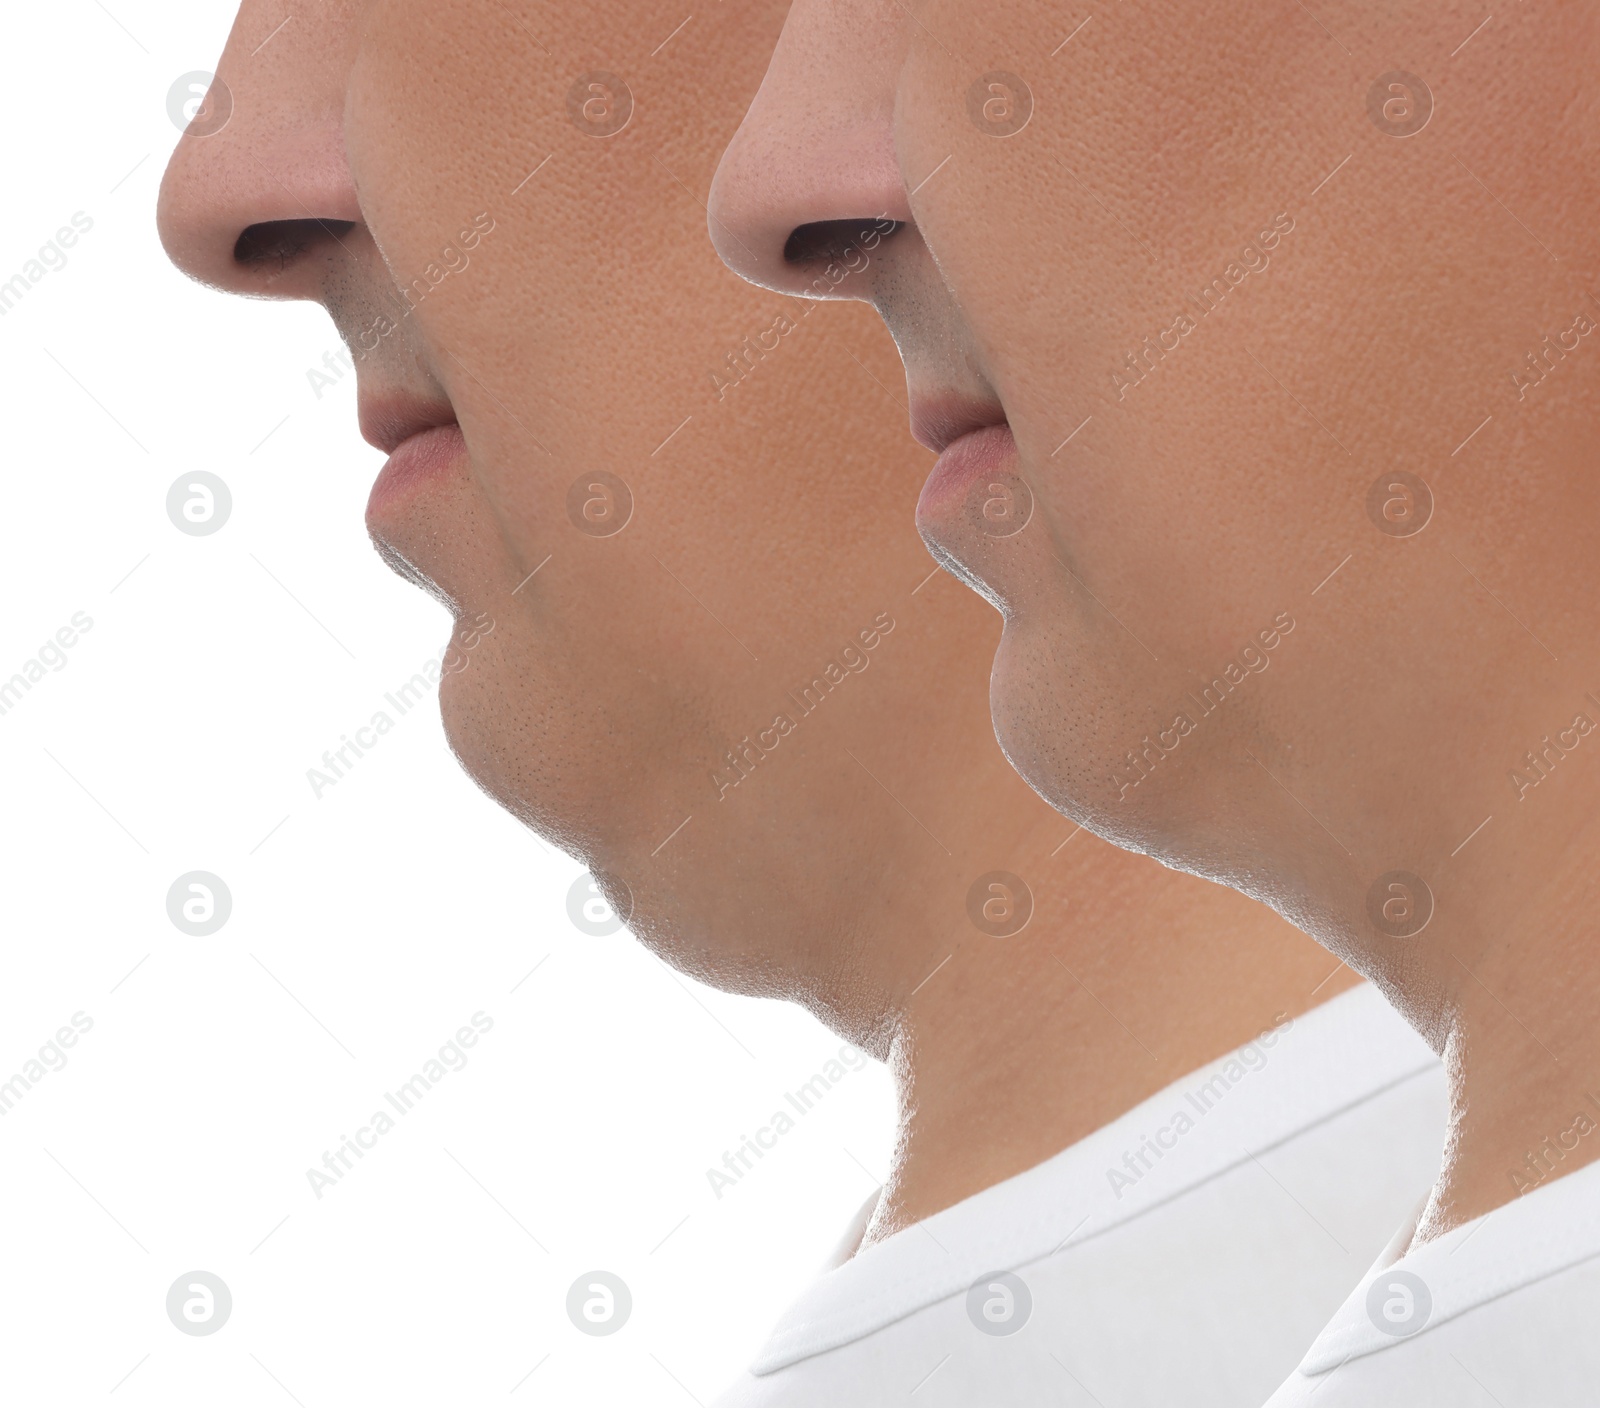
1202	306
660	504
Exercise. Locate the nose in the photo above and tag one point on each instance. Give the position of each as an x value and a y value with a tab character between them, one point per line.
257	197
809	186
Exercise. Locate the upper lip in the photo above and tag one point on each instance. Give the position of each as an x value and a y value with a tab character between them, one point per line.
387	422
937	421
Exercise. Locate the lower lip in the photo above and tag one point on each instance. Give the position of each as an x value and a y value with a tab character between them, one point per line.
426	458
977	455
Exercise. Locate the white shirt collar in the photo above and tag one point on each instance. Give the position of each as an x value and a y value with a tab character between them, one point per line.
1295	1076
1537	1235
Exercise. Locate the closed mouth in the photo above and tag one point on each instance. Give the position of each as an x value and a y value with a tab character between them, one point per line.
387	423
939	421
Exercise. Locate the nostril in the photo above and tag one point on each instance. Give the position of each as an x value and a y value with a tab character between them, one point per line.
276	244
832	240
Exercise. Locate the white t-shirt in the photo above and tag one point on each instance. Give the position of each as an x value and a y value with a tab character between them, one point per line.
1185	1253
1503	1309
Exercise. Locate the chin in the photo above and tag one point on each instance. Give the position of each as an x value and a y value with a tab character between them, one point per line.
527	757
1037	705
1061	727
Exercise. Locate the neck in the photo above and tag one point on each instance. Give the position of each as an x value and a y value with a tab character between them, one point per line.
1127	977
1519	990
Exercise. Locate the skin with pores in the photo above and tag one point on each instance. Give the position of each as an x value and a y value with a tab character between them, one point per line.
590	330
1436	233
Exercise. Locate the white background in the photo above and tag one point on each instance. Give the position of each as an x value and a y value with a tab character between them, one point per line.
367	926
